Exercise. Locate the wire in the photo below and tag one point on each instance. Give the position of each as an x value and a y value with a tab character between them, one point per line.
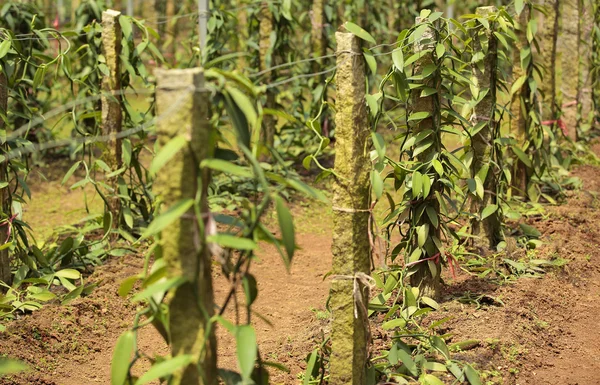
18	152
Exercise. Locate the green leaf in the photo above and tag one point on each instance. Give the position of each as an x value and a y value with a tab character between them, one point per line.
393	324
227	167
489	210
68	273
310	366
419	115
435	366
437	165
166	153
519	6
440	345
232	242
165	219
121	360
377	184
430	379
126	26
358	31
11	366
417	184
165	368
422	233
522	156
245	338
4	48
517	84
286	224
244	104
530	231
430	302
408	362
472	375
159	287
70	172
127	285
398	59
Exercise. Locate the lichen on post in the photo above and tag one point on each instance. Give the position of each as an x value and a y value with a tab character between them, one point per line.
567	49
482	143
584	85
183	111
112	115
264	45
351	199
5	198
547	42
426	275
518	120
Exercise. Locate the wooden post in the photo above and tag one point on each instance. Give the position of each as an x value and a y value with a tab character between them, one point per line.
74	5
318	37
518	122
567	49
171	29
112	116
183	248
482	143
351	199
243	35
427	275
5	198
547	41
596	61
584	85
265	29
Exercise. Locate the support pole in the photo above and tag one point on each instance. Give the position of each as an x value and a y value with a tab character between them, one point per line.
584	85
265	30
183	246
112	116
568	48
351	199
427	275
5	198
482	143
518	122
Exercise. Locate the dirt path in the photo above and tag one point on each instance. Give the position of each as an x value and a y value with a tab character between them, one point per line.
545	333
72	345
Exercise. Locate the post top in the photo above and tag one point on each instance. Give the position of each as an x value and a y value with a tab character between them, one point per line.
484	11
179	78
111	13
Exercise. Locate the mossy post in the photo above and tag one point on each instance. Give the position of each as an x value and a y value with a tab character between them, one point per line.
351	201
317	35
183	249
427	274
5	199
264	45
596	60
547	42
518	121
567	58
482	143
584	85
112	115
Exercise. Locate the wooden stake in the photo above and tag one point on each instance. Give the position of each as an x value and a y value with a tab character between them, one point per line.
351	201
427	275
482	143
184	246
112	116
5	198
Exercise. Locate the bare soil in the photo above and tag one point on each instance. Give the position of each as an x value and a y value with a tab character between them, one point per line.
546	331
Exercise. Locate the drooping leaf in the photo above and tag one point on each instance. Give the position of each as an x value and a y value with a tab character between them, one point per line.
246	350
165	368
121	359
359	32
286	225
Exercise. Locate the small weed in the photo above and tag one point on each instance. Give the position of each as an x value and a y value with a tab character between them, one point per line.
321	315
